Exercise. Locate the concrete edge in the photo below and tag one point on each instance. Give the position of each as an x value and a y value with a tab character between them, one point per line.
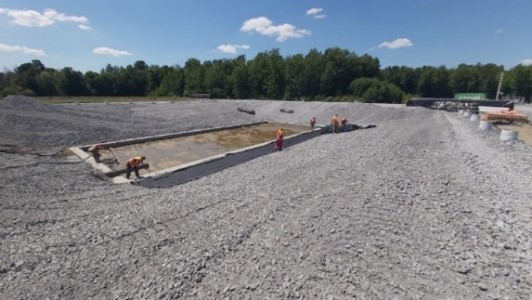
166	136
84	156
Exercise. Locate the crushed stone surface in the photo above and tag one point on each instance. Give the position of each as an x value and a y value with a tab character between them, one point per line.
424	206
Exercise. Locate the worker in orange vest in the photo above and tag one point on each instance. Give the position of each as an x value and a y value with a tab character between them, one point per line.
95	151
279	139
133	165
312	123
343	122
334	123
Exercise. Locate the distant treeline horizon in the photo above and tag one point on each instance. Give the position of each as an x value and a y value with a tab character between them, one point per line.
335	74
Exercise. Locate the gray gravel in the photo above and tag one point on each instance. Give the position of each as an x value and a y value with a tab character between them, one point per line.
425	206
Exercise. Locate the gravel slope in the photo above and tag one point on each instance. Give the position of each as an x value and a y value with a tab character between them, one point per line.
425	206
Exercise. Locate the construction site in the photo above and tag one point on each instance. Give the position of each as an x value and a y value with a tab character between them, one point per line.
409	203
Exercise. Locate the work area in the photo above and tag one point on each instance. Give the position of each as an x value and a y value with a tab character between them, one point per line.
425	205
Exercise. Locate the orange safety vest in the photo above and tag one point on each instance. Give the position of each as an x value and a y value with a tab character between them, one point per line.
135	161
279	134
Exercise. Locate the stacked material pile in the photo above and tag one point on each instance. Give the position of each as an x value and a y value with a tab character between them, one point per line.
504	116
445	105
473	107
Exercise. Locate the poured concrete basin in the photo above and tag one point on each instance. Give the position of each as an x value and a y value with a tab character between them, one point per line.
171	152
176	158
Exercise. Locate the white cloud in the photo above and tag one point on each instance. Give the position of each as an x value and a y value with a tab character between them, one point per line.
31	18
231	48
398	43
264	26
498	31
84	27
111	52
526	62
22	49
316	13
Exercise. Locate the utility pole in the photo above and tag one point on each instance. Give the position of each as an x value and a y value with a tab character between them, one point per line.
499	88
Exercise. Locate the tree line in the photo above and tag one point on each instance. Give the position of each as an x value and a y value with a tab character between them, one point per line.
332	75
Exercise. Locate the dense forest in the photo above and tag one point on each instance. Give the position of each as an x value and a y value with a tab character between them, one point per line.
333	75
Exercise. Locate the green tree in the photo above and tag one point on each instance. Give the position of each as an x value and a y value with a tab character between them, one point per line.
72	83
137	78
403	77
335	72
375	90
465	79
155	76
295	77
6	79
240	79
100	84
172	84
276	82
48	81
522	81
194	75
259	73
341	67
489	79
26	76
369	66
313	68
218	78
434	82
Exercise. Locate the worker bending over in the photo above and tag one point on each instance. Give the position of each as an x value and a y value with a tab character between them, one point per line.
343	122
133	164
95	151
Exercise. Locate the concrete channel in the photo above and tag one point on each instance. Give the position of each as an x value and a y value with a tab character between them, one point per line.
181	157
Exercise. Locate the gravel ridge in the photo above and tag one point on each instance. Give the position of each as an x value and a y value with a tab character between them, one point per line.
424	206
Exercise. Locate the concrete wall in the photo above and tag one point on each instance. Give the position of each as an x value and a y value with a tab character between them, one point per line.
219	163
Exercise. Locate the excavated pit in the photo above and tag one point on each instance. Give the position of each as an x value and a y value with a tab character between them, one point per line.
177	158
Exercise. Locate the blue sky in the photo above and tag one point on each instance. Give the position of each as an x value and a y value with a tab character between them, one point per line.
89	34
